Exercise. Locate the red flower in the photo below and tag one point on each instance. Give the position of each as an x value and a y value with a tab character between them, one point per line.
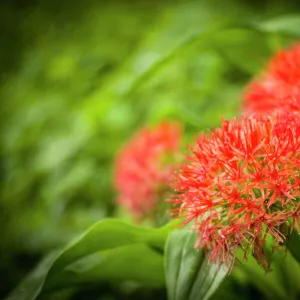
241	184
143	169
278	89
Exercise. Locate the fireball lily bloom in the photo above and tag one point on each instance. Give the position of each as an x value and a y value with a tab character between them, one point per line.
144	167
278	89
241	184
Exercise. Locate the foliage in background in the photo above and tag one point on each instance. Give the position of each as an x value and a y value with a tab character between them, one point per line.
78	78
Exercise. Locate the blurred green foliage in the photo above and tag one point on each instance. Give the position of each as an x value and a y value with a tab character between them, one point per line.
79	77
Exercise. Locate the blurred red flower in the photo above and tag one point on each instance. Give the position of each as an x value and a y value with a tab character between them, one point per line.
241	184
144	167
278	89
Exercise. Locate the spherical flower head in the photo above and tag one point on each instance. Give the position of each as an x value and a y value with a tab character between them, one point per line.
241	185
144	167
278	88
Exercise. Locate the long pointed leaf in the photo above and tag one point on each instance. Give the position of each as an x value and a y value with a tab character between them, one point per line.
293	245
104	235
189	275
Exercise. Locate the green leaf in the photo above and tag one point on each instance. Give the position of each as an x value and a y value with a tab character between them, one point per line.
289	24
189	275
136	262
293	244
250	272
32	285
106	235
246	49
280	283
288	273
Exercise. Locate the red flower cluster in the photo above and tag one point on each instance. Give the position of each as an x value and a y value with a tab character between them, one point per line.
278	89
242	184
143	167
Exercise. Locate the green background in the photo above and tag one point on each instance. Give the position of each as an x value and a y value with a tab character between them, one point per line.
78	78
